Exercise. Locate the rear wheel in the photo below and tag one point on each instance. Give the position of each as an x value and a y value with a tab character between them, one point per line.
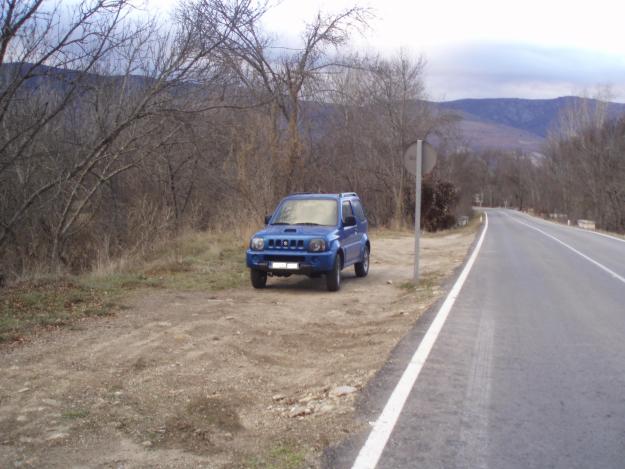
362	268
333	278
259	278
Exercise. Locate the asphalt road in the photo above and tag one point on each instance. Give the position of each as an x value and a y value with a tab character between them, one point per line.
529	368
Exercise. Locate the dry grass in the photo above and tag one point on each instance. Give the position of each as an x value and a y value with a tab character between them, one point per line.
386	233
28	307
194	261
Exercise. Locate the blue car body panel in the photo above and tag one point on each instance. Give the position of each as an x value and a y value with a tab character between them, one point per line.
290	243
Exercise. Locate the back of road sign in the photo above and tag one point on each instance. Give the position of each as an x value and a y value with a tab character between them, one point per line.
428	161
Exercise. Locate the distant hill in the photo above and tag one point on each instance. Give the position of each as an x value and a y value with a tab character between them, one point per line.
513	123
496	123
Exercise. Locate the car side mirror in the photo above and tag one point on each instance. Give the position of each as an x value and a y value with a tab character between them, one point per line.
267	218
350	221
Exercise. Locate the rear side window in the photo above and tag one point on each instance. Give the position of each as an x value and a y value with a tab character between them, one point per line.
358	211
347	210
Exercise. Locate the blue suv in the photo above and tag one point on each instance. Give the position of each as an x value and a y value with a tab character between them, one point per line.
314	235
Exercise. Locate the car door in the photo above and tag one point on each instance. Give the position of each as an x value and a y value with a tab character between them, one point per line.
349	235
363	227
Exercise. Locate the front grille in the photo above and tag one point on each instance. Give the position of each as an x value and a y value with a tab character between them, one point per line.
277	258
281	243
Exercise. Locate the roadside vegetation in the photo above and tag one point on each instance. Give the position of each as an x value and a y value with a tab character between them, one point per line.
191	262
194	261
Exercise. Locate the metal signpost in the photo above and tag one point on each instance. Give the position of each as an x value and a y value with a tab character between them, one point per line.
419	159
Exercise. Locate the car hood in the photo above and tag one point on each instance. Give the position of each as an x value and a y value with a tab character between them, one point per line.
296	230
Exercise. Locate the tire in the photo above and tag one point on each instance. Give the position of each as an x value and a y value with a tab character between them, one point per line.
362	268
258	278
333	278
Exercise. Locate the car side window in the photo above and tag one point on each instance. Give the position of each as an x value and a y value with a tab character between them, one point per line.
347	210
357	206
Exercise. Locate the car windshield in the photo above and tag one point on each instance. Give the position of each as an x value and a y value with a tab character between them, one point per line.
307	212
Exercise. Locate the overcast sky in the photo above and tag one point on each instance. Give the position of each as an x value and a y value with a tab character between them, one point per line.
489	48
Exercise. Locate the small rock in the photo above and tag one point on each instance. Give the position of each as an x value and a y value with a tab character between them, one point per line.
164	324
325	408
278	397
147	443
24	390
306	399
57	436
229	318
228	436
343	391
21	418
299	411
390	282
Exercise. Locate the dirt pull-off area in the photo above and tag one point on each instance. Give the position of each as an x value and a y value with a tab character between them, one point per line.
239	378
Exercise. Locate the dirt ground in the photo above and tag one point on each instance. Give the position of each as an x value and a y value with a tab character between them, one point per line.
240	378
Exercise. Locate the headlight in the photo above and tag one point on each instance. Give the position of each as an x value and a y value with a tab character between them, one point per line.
316	245
257	244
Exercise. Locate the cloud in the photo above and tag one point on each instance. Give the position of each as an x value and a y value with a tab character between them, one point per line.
521	70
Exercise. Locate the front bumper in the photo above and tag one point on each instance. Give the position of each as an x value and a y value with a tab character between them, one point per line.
309	262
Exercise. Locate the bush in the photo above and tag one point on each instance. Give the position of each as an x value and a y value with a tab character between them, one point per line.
438	200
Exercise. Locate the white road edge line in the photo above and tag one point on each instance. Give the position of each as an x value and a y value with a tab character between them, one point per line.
581	254
602	234
370	453
577	228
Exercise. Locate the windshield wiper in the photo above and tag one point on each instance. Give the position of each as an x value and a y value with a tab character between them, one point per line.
280	223
308	223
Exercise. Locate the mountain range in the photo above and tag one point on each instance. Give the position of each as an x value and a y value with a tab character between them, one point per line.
511	124
504	124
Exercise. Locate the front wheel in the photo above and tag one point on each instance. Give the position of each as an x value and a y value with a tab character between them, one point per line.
333	278
259	278
362	268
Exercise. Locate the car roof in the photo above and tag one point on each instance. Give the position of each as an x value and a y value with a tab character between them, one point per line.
317	195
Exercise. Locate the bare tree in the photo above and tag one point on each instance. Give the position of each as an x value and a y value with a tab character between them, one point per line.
285	76
79	130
